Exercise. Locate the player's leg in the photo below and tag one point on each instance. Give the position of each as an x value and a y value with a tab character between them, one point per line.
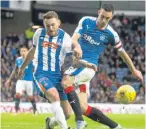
32	100
17	102
29	91
65	104
96	115
67	112
76	75
92	112
83	79
67	83
46	87
66	109
20	87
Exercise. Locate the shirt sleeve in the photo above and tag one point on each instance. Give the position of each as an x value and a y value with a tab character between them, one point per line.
36	36
80	27
115	41
16	63
67	43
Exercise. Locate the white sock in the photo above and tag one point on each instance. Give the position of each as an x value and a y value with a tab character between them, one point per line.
118	127
53	122
59	115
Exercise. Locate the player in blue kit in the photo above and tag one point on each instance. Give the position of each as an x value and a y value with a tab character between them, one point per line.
93	34
25	84
50	46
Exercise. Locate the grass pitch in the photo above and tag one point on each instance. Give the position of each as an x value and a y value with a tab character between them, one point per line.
29	121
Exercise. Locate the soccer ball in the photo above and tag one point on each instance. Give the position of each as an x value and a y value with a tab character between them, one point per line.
126	94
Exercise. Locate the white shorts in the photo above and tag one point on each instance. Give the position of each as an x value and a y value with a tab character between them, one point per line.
23	85
87	84
82	76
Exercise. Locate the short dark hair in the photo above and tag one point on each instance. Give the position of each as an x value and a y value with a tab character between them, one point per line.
23	46
50	14
108	7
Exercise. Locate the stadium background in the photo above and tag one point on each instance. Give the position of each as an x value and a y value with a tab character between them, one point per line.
18	23
19	17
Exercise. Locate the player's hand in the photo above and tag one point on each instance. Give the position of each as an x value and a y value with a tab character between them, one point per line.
7	83
20	73
138	75
92	66
77	52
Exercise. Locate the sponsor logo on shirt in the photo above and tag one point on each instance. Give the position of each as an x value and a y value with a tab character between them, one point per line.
102	37
46	44
90	39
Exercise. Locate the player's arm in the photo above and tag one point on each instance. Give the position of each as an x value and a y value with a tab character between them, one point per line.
29	57
83	63
7	84
77	52
30	54
123	54
26	61
75	39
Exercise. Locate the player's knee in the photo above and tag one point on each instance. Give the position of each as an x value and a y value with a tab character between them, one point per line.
68	115
52	95
17	95
30	98
66	81
84	107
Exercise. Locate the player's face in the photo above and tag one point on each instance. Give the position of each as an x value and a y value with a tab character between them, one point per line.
23	52
52	26
103	18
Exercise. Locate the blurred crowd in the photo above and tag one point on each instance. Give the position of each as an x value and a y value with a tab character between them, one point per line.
112	73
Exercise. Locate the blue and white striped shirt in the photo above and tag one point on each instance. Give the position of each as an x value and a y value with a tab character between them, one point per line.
50	51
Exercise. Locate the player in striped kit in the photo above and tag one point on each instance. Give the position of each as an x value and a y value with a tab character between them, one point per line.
25	83
94	34
50	46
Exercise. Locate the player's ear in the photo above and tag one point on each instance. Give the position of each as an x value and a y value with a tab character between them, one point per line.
59	22
98	11
44	23
111	17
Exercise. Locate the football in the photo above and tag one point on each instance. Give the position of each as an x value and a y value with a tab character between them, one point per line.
126	94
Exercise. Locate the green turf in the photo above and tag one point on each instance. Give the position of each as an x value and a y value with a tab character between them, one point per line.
29	121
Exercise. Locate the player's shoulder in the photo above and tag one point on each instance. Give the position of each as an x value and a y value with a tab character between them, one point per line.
111	30
39	31
19	59
88	18
65	33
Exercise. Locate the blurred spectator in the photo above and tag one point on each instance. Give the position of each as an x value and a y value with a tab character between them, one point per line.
116	22
29	32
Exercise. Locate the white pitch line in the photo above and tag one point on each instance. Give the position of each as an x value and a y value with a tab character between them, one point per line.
26	125
101	127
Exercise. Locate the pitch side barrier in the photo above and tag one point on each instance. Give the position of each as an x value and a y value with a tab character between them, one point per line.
9	107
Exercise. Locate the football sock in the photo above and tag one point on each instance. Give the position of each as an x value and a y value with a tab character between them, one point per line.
98	116
74	102
53	122
17	102
59	115
33	105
